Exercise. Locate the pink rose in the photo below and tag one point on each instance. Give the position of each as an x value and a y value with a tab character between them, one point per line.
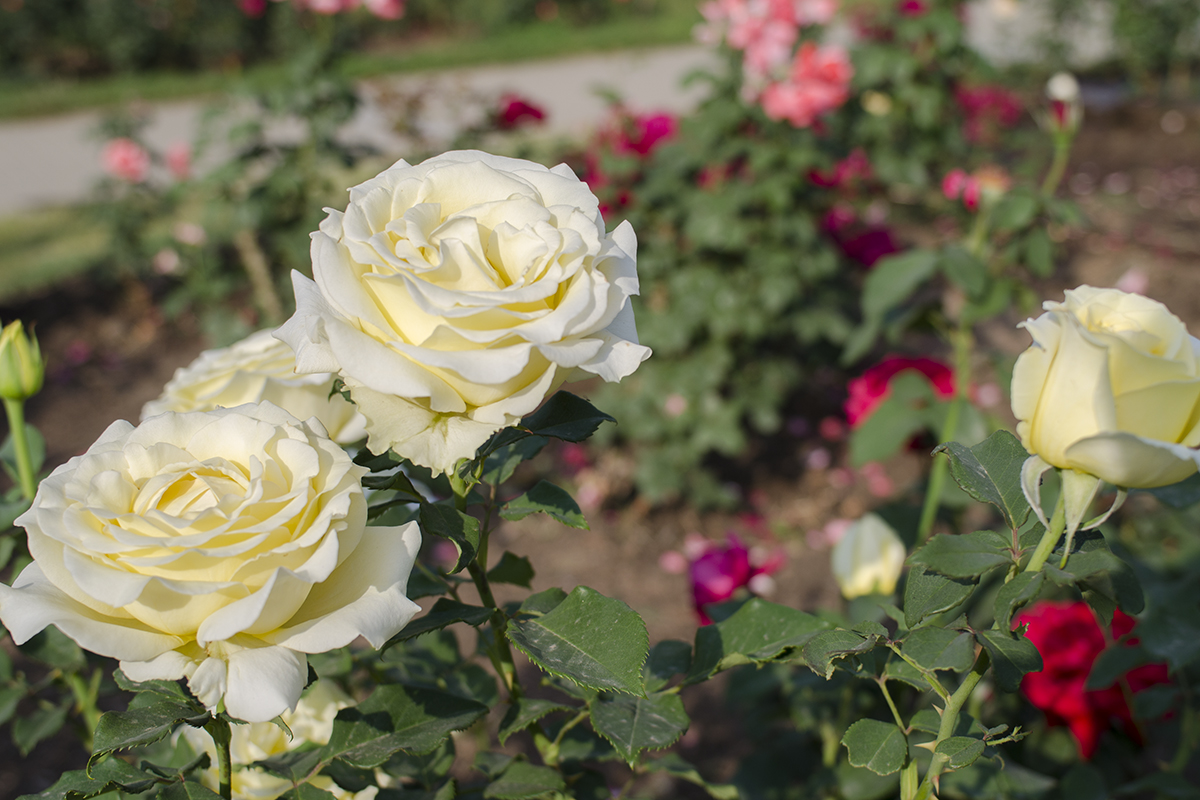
126	159
385	9
515	111
179	160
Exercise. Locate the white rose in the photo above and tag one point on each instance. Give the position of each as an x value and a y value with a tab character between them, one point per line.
259	368
220	546
453	296
310	722
1110	387
868	558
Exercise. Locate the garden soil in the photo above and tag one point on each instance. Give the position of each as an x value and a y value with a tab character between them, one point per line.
110	350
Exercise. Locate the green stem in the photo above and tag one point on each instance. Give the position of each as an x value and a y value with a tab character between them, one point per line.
499	652
221	735
15	409
961	338
1058	166
950	720
891	703
1058	522
909	778
85	695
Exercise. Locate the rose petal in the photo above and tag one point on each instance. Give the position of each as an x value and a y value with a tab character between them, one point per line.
1131	461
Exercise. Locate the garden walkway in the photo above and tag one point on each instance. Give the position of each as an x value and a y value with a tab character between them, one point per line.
57	160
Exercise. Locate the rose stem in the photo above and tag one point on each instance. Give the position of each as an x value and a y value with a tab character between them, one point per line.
218	729
499	652
1051	536
16	424
937	475
950	721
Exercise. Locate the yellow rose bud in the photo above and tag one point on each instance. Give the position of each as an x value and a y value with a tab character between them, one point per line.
1111	388
21	367
868	558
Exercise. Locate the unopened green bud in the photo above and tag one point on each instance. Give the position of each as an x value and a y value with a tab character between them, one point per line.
21	367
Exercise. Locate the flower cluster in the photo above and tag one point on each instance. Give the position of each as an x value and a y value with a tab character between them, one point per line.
797	84
383	9
1070	640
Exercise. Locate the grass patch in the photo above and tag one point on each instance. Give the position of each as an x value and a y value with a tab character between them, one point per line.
552	39
41	248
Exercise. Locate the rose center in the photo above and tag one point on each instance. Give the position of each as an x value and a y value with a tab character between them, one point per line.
200	490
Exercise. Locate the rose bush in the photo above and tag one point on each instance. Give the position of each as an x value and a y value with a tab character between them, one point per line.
260	368
311	723
453	296
219	546
1110	387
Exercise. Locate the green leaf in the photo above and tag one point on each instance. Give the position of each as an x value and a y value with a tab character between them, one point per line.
109	775
633	724
927	594
966	555
1094	567
1021	590
940	648
1016	210
758	631
444	612
501	463
188	790
879	746
398	718
596	641
398	482
525	712
512	569
306	791
167	689
893	279
961	750
829	646
1039	253
543	602
1162	784
674	764
668	658
565	416
37	452
548	499
894	422
990	472
55	648
450	523
120	730
1112	663
42	723
1012	657
10	697
964	270
523	780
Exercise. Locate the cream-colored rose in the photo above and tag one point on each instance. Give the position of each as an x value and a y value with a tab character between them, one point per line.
868	558
453	296
258	369
310	722
1110	387
220	546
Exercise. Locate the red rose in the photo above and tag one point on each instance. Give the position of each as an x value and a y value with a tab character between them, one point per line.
871	388
1070	640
